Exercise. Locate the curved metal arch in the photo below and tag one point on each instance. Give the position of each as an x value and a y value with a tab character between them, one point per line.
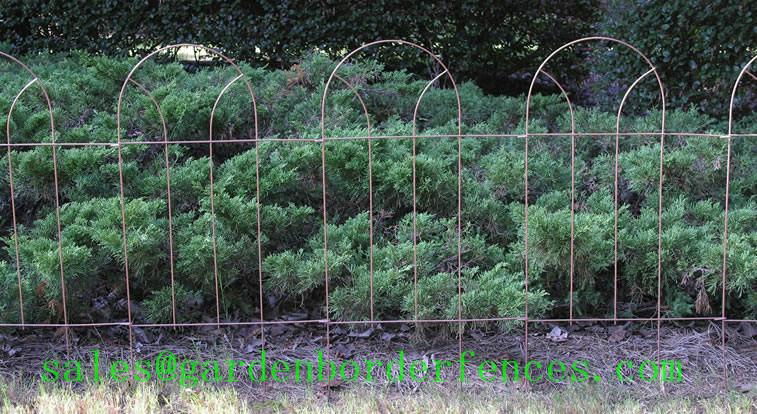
380	42
48	103
176	46
360	100
420	99
370	189
415	209
564	94
724	269
743	71
168	193
213	238
124	85
459	140
13	197
616	179
587	39
617	134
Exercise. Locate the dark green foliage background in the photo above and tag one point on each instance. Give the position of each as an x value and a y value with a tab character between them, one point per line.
698	47
497	44
84	89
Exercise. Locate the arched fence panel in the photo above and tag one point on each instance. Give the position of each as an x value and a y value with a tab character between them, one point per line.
414	137
573	133
60	306
211	228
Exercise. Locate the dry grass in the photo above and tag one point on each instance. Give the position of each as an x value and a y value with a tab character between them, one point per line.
16	397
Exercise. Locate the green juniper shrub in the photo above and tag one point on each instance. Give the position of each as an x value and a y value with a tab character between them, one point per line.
492	239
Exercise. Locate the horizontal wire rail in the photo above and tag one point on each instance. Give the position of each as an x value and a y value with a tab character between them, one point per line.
370	138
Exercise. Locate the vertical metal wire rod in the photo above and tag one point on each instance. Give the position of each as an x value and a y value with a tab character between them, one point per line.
724	271
13	197
525	179
168	193
35	79
415	196
370	188
572	189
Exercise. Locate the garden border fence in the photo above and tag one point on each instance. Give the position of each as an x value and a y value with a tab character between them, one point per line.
459	136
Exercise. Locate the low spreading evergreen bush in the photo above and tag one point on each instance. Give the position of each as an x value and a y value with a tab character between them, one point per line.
491	280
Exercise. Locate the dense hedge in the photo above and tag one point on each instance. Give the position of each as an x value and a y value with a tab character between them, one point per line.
495	43
85	90
697	47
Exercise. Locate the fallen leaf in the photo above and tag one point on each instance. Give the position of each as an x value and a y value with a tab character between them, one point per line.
364	334
252	346
619	333
387	336
558	334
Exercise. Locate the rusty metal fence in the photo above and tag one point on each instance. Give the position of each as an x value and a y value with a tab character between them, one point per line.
327	322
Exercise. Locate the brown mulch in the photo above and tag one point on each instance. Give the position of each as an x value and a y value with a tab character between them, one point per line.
602	346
